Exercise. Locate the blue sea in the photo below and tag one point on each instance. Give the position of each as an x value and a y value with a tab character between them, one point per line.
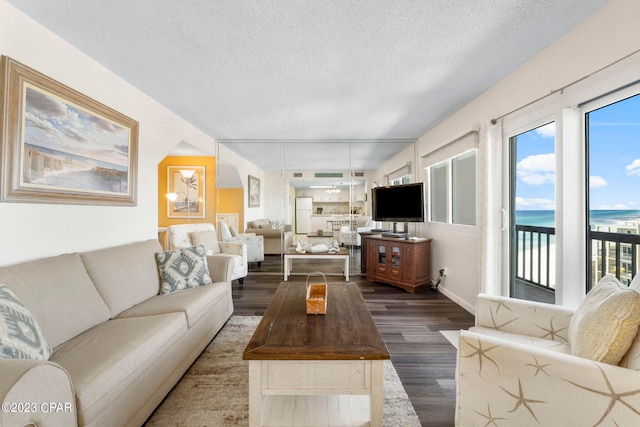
597	217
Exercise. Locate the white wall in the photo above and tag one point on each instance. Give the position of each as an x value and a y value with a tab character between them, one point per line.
29	231
246	168
605	38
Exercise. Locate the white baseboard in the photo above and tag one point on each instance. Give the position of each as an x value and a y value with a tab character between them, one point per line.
471	309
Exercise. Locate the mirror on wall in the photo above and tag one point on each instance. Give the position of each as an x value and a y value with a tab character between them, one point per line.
311	192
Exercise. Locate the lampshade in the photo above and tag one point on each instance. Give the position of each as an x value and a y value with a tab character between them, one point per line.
172	196
187	173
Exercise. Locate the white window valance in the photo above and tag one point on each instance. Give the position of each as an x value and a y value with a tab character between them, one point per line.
463	143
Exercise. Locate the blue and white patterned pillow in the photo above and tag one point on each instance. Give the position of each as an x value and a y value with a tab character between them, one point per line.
20	335
182	269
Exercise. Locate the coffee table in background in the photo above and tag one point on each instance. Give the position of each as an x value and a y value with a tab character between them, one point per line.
307	368
291	254
315	238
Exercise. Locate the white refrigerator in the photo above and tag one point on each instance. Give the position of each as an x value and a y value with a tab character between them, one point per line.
303	215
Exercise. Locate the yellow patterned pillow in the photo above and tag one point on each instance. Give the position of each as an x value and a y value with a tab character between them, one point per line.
606	322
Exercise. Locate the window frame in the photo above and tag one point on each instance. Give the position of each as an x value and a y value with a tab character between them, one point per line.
449	188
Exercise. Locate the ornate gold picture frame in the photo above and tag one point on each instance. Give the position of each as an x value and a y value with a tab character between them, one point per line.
60	146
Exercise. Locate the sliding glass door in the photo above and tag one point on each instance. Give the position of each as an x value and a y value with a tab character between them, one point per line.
612	135
532	226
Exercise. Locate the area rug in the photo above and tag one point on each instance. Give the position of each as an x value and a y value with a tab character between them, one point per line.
214	391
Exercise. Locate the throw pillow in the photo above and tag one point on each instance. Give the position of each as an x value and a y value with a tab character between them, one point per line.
225	232
20	335
606	322
182	269
206	238
233	231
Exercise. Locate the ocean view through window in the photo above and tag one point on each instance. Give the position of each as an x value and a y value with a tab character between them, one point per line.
613	141
619	252
533	208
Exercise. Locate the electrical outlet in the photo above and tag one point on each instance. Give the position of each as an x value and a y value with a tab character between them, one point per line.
444	271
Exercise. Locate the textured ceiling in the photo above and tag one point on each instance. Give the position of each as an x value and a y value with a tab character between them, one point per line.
301	70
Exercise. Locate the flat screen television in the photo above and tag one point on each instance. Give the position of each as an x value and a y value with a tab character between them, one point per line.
398	203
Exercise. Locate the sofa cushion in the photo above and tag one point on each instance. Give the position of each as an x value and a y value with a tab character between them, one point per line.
182	269
259	223
206	238
59	294
179	236
20	334
194	303
124	275
114	353
233	230
606	322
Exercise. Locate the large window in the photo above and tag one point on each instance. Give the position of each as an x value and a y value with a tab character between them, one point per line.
613	165
405	179
452	190
463	191
438	191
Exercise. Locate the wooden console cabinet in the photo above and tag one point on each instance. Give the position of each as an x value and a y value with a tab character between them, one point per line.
399	262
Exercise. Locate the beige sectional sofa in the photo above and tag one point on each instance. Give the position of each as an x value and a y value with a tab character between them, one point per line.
277	239
118	346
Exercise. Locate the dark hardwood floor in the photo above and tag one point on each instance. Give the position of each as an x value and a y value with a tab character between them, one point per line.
409	325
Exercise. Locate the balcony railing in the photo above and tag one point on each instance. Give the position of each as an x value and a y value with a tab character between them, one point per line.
615	253
535	255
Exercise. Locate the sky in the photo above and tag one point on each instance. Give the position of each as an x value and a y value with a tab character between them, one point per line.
614	166
53	123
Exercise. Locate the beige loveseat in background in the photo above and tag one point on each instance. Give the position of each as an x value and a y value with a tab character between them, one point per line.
534	364
118	346
276	240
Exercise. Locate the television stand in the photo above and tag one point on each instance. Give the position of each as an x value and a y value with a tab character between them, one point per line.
398	262
395	235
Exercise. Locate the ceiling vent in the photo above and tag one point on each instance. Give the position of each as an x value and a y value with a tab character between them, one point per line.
358	174
297	175
328	175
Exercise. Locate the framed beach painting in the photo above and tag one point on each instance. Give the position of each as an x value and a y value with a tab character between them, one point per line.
60	146
254	192
186	186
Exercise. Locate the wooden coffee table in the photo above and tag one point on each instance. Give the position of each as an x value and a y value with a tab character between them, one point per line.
307	368
291	254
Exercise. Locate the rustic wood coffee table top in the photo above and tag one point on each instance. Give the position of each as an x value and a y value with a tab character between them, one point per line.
346	332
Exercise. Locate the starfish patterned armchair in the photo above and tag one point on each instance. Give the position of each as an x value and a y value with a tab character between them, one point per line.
534	364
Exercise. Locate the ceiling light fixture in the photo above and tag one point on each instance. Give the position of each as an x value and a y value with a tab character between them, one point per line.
333	189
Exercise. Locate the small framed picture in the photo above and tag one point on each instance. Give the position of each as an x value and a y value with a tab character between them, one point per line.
254	192
186	185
